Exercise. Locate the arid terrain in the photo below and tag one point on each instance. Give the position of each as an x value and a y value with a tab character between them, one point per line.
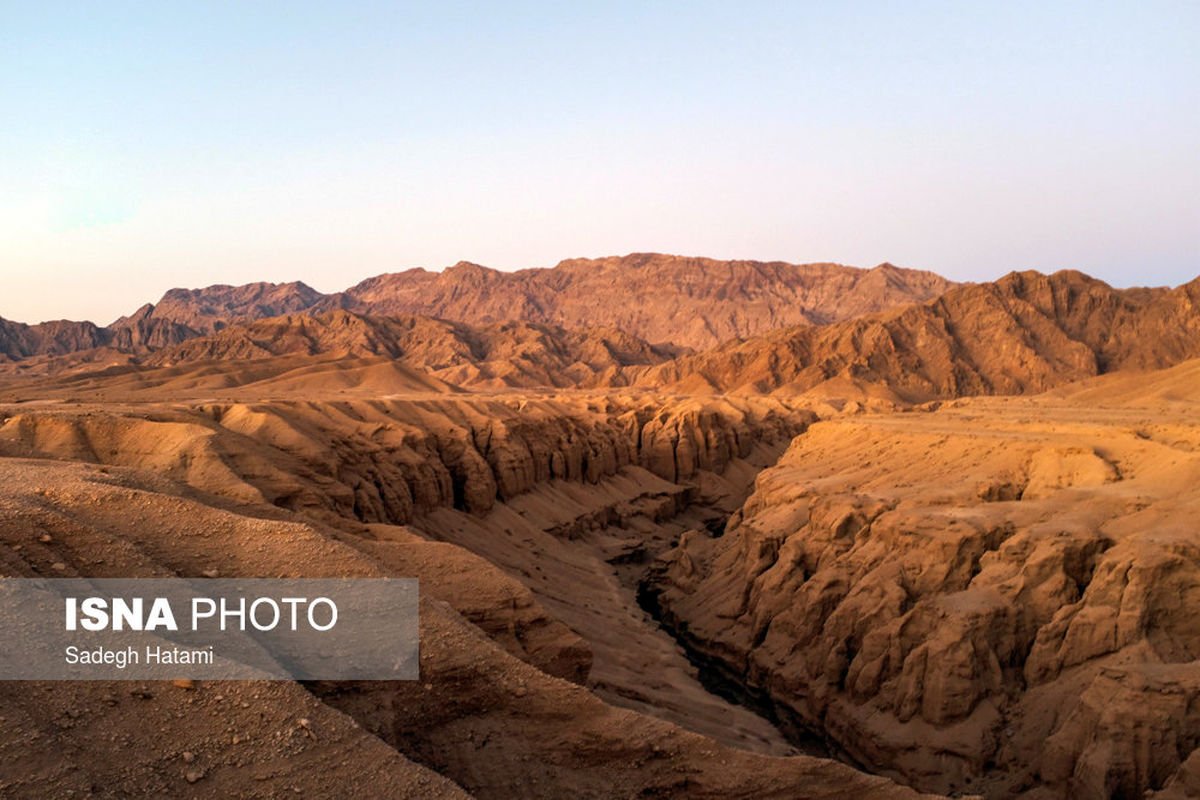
683	528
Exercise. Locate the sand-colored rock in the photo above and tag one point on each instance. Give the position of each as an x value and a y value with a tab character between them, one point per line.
989	597
389	460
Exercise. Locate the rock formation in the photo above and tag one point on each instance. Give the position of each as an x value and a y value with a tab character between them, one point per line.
18	340
986	598
388	461
839	524
487	720
184	313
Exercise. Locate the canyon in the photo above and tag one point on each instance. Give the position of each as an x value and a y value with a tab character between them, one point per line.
684	528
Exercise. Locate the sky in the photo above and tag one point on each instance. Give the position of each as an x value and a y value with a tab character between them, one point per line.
145	146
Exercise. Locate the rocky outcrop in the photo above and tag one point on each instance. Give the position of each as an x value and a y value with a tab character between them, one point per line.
992	597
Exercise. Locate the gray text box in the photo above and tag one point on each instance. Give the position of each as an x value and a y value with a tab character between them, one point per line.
213	629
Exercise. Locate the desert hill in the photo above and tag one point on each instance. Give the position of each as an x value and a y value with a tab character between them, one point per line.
339	350
180	315
1023	333
316	489
984	595
279	738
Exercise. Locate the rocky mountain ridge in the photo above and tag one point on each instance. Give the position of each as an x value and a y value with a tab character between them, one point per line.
668	300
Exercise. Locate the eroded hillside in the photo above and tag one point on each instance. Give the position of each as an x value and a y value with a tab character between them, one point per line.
989	597
1022	334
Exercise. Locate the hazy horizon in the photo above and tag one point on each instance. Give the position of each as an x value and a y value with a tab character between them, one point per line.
149	147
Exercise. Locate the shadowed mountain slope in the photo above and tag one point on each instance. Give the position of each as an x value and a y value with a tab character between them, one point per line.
185	313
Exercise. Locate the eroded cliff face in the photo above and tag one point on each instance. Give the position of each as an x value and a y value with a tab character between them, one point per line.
993	597
390	460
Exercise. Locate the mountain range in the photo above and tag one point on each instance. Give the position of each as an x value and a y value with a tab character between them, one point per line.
686	303
887	333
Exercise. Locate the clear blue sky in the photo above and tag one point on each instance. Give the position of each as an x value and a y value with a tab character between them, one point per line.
151	145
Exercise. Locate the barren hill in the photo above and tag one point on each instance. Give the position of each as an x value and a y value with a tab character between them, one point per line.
180	315
1023	333
689	302
320	489
987	595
